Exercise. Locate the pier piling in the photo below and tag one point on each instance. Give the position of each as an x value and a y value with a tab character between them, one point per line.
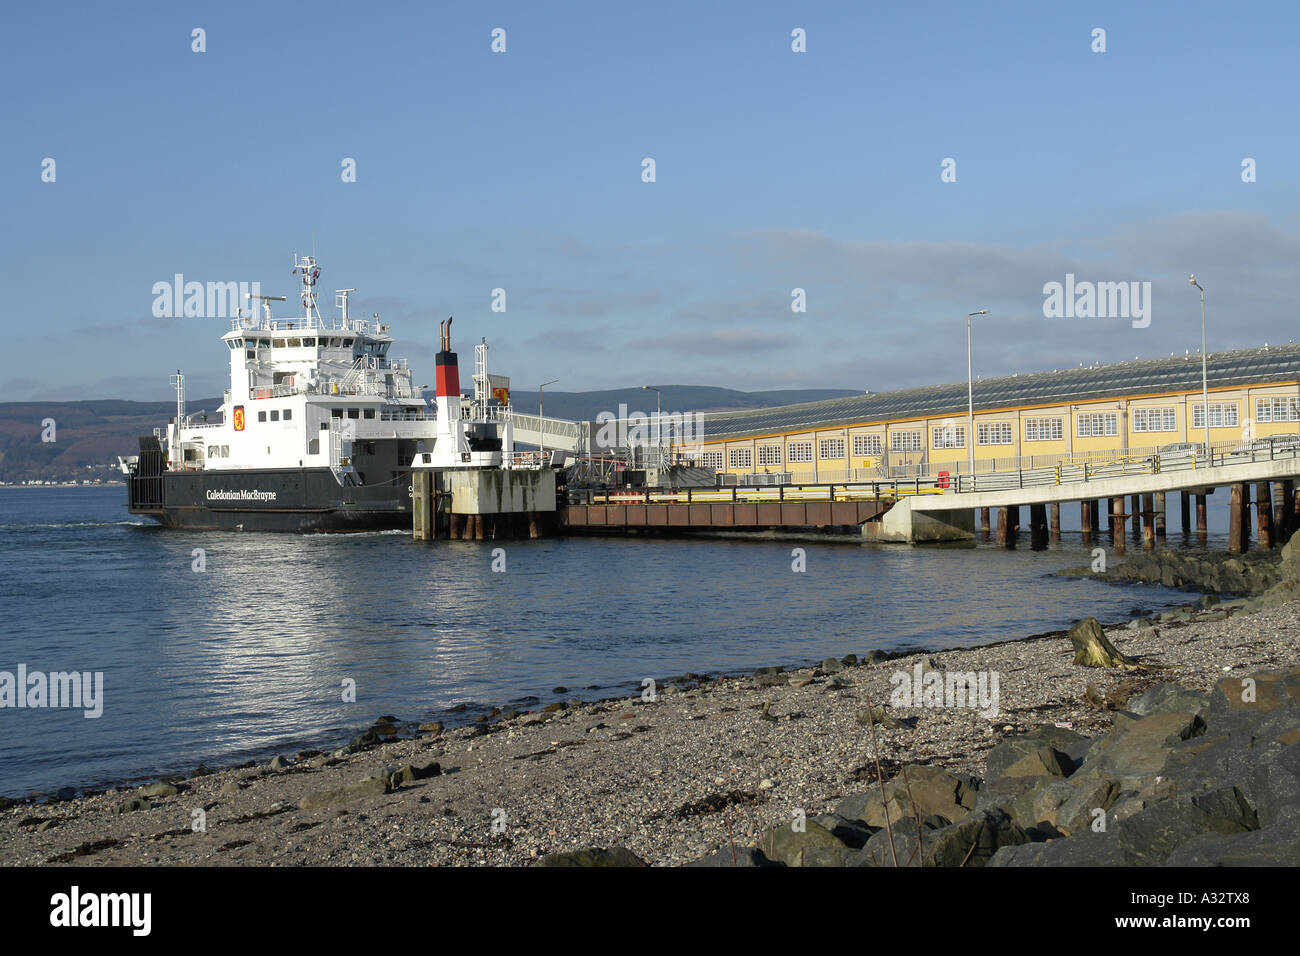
1160	514
1263	515
1117	517
1054	521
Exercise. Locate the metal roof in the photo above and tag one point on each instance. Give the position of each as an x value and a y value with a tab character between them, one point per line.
1066	386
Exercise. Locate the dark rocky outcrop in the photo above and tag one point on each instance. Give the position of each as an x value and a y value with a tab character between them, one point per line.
1182	778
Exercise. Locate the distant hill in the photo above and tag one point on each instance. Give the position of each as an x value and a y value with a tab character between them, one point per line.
89	435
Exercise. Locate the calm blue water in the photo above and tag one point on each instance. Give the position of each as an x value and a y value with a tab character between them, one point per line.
248	658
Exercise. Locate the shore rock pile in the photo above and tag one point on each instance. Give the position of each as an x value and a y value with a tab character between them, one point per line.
1252	573
1182	778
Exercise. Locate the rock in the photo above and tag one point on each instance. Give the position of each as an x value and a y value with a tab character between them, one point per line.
831	666
770	680
279	763
1169	699
1140	748
130	806
369	787
159	789
593	856
1027	757
970	842
933	791
559	690
849	660
231	787
47	825
879	717
849	831
552	708
747	856
407	773
789	846
1277	845
432	728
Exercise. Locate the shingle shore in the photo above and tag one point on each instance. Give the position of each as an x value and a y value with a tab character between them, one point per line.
671	779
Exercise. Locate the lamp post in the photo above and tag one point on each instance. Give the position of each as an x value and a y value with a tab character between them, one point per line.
970	399
1205	387
541	420
659	450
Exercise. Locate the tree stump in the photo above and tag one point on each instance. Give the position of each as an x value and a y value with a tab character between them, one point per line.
1092	649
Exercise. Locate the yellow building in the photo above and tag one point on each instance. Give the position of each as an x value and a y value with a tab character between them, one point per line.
1098	413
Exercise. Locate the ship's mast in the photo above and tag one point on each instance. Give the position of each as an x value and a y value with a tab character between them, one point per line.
310	272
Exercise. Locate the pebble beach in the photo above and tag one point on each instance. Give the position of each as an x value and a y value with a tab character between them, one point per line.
707	764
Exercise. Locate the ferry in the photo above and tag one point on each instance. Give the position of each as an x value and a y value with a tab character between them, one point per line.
319	428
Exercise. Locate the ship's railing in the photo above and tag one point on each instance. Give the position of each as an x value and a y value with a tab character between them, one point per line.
303	324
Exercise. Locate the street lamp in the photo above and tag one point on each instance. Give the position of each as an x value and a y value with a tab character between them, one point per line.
659	450
970	399
541	420
1205	388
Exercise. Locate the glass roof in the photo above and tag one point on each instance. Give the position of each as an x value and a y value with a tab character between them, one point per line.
1117	380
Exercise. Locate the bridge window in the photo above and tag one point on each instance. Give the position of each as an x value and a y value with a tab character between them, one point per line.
905	441
336	413
261	416
288	414
799	451
275	416
278	343
769	454
711	459
866	444
1274	410
832	448
367	413
948	436
354	413
741	457
1098	424
1044	429
1155	420
1222	415
309	343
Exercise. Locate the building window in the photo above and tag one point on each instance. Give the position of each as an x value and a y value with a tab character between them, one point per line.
1222	415
993	433
905	441
831	448
769	454
275	415
1279	409
1044	429
799	451
741	457
1098	424
711	459
1155	420
866	444
948	436
288	414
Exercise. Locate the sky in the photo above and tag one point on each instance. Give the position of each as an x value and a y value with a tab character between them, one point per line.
523	170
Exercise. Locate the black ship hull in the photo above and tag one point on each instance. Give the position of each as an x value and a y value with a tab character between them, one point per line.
295	500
